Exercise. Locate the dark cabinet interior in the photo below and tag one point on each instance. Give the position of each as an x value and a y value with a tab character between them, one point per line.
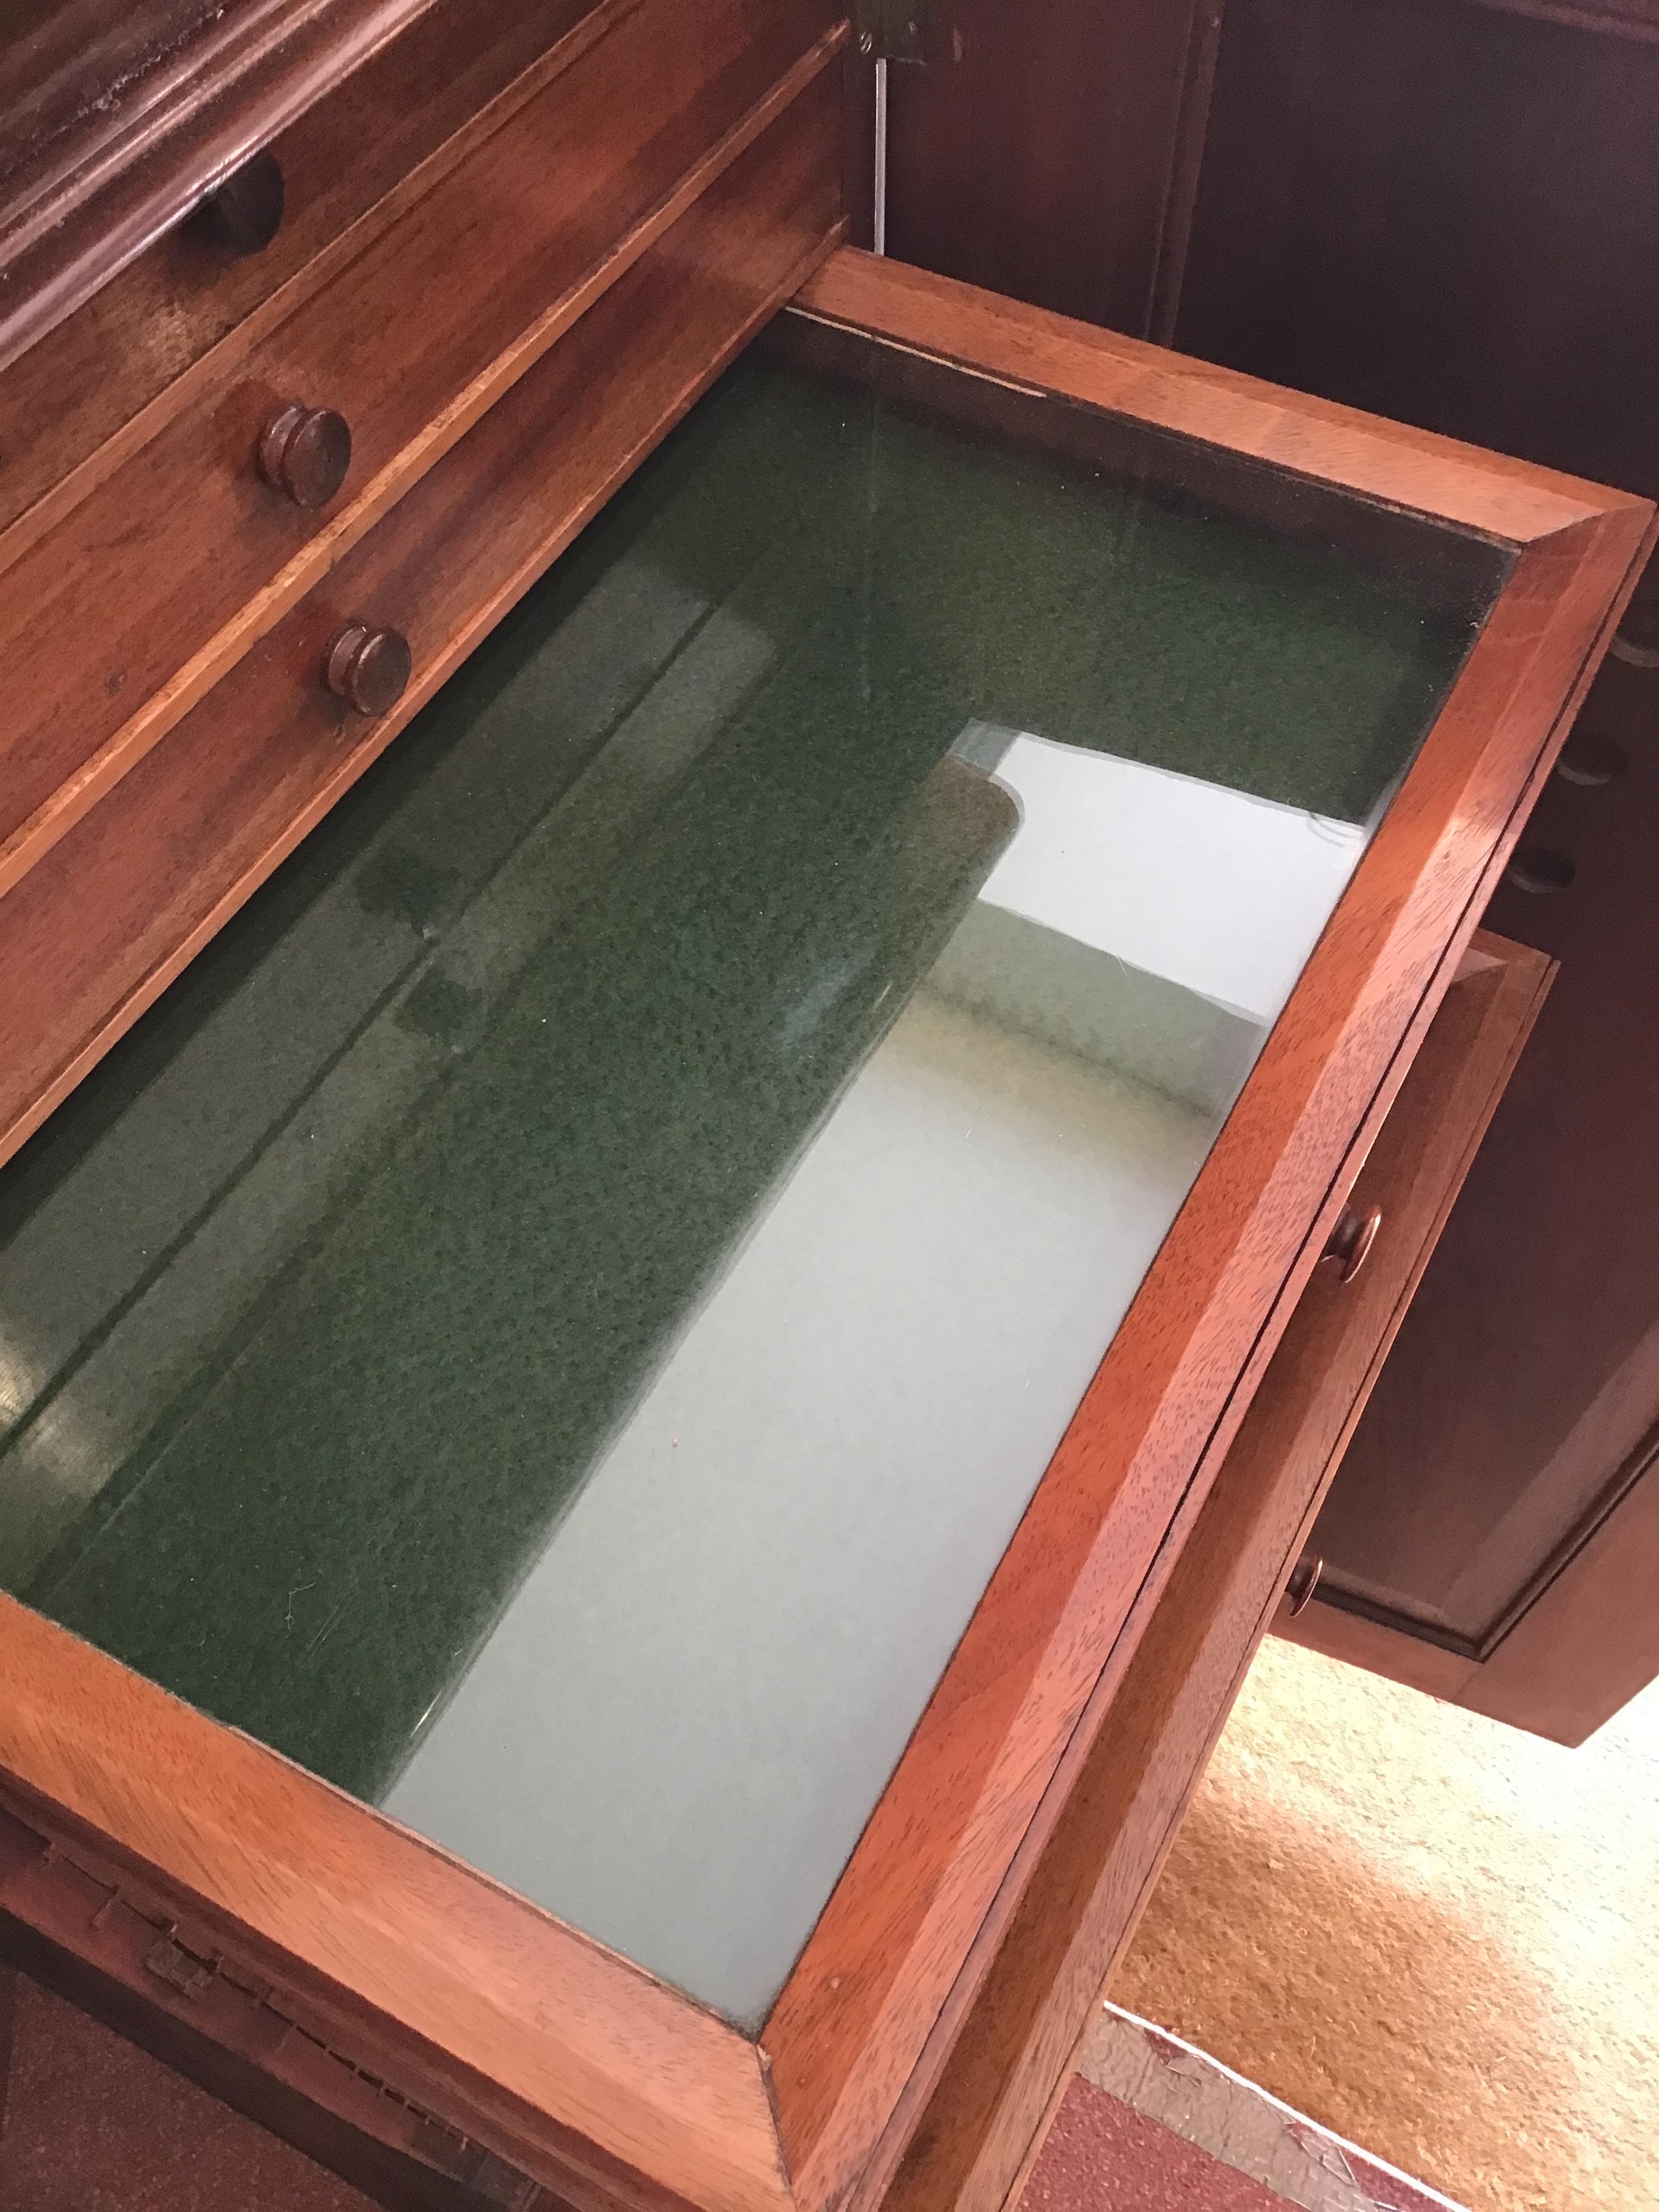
1446	212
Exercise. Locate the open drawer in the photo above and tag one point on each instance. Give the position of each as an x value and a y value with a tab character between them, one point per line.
602	1397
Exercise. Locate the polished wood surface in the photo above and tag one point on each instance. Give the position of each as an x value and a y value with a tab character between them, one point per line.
1524	1394
119	125
1440	211
1562	1669
1098	1865
1332	444
1448	212
1049	152
647	109
62	62
875	1997
1585	1641
89	938
512	2026
125	122
270	1868
343	158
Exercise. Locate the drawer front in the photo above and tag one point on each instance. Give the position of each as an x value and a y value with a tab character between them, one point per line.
120	619
111	913
91	375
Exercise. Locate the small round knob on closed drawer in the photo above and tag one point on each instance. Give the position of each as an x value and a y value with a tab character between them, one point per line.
1351	1241
1636	642
246	212
306	452
1591	761
368	668
1536	868
1303	1581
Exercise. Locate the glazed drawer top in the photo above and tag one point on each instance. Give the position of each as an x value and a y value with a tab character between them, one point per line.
554	1322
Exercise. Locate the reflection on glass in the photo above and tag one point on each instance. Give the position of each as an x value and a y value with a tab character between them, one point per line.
555	1319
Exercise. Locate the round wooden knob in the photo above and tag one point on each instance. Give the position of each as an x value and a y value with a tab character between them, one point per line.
1352	1240
1303	1581
306	452
368	668
246	212
1536	868
1591	761
1637	641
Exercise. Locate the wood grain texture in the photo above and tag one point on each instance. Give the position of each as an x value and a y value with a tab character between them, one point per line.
1105	1849
130	119
1511	501
652	107
1525	1388
1039	150
1589	1641
61	57
882	1967
426	87
548	2042
1443	212
90	937
1478	261
866	2021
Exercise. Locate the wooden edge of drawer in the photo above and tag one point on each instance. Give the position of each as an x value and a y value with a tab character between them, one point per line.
90	938
1104	1853
1411	1660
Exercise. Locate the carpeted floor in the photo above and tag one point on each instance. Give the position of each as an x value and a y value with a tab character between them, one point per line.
1435	1934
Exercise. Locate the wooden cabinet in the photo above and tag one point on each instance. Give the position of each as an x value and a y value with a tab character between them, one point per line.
130	888
1442	211
1051	154
649	1415
1518	1558
1447	213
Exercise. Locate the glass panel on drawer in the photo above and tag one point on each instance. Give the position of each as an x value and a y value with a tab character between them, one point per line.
553	1322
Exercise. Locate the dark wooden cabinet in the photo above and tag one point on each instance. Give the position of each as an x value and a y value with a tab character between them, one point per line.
1506	1463
1446	212
1058	166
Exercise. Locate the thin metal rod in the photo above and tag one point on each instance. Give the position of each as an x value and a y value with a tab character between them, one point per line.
879	224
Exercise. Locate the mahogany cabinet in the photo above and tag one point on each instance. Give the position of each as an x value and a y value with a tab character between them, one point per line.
730	1037
1444	212
1450	213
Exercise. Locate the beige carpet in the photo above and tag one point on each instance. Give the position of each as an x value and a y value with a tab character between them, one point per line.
1435	1935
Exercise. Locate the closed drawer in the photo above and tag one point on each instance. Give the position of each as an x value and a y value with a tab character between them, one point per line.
113	912
340	162
123	616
